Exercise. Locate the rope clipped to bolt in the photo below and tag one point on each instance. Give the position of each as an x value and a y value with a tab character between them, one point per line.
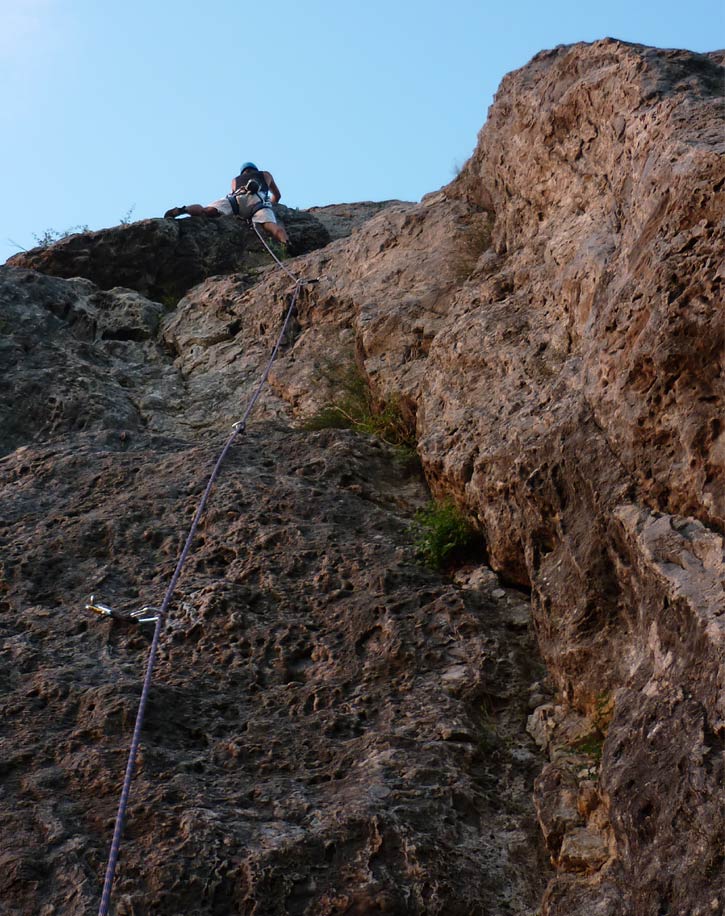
161	612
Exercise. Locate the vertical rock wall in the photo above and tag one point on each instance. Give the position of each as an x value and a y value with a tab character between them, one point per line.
590	346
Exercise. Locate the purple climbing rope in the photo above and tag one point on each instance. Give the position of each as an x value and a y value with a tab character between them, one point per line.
238	428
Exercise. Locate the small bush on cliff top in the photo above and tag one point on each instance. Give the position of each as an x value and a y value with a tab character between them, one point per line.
127	217
443	535
356	408
51	236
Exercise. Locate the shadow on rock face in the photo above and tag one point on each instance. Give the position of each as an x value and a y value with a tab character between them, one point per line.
163	258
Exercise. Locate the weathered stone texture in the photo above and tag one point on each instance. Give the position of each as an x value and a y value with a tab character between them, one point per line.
76	357
603	309
315	735
335	730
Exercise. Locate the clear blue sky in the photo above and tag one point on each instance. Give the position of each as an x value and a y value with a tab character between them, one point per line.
139	105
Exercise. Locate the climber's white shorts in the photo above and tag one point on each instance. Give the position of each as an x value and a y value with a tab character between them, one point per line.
265	215
223	206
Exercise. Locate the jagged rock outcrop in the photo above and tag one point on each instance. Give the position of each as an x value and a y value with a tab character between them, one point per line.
164	258
76	357
341	220
330	717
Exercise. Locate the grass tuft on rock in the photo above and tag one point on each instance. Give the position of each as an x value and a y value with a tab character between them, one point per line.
443	535
356	408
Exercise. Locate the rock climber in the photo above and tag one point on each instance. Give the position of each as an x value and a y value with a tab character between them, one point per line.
254	192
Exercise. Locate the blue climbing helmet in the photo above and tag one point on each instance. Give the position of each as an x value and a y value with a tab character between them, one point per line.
248	165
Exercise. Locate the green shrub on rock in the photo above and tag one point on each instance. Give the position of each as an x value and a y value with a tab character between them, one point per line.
356	408
443	534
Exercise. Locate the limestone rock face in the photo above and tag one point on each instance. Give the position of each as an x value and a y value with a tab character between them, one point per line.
598	326
314	737
334	729
588	218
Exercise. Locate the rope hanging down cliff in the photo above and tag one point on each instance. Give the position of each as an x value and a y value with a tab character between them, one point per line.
161	612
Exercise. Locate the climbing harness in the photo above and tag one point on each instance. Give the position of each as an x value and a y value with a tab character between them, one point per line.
251	197
247	201
157	615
